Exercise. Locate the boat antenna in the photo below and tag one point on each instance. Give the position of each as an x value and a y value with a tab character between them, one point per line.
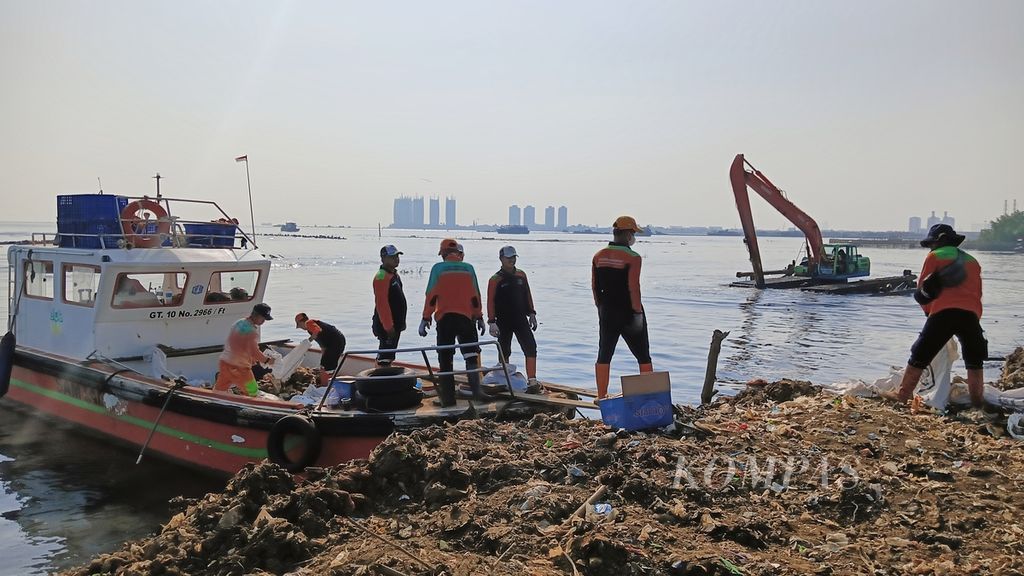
98	181
248	185
158	177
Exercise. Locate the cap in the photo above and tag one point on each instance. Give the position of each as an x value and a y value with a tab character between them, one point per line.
625	223
942	235
507	252
300	319
449	245
262	310
389	250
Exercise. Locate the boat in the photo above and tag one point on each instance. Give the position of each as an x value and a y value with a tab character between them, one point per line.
512	229
289	227
116	325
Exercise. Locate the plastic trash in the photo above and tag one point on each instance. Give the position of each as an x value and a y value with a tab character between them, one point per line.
603	508
284	367
1015	426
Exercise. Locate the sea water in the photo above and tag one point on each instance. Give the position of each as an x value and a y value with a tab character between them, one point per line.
64	498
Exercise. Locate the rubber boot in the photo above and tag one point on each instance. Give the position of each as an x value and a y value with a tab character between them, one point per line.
602	373
472	363
976	387
445	391
646	368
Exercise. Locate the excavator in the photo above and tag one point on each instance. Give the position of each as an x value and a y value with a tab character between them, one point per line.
825	263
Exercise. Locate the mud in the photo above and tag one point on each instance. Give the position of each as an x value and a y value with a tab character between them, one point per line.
812	484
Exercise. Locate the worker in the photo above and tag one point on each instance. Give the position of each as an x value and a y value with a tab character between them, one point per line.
241	351
615	281
389	309
841	261
949	292
510	312
330	339
453	300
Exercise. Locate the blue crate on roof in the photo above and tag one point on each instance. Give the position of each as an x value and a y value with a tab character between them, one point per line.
212	235
89	220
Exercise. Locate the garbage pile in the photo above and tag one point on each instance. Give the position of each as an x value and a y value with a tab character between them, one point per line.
812	484
1013	371
297	383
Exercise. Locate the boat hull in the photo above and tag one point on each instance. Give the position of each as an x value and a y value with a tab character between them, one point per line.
197	428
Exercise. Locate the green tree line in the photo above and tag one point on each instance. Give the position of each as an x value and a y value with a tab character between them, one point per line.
1007	229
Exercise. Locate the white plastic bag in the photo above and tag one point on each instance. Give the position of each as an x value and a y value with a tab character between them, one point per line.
284	367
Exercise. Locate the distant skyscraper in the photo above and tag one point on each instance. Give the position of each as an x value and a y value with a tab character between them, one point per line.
563	218
933	219
403	213
915	225
514	215
435	213
947	219
530	217
449	212
417	212
549	218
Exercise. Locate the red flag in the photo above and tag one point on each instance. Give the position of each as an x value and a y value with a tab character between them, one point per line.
242	158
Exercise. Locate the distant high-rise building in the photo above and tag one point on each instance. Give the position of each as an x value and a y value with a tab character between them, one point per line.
402	215
549	218
933	219
449	212
435	213
514	215
417	212
947	219
915	225
563	218
530	217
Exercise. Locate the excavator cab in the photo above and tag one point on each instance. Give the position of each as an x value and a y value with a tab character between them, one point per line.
839	262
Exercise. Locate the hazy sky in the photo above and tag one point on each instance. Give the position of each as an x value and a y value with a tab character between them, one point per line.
864	112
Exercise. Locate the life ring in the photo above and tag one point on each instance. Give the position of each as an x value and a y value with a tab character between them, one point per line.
135	228
294	425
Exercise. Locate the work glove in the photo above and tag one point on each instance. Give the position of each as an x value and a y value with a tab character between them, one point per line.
493	328
533	322
480	326
424	324
637	323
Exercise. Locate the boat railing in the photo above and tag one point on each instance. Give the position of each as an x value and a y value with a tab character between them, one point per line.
430	373
179	235
220	232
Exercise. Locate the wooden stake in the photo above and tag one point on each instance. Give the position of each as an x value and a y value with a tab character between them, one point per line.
710	375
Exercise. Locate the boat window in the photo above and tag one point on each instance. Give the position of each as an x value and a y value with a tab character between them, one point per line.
80	284
149	290
39	279
232	286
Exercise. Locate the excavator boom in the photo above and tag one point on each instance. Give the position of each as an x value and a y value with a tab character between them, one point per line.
741	178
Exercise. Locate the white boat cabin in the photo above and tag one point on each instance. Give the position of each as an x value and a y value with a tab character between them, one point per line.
121	303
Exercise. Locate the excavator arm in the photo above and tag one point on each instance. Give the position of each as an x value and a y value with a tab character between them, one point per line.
741	178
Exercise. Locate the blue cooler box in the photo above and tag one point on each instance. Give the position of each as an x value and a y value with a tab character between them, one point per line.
646	402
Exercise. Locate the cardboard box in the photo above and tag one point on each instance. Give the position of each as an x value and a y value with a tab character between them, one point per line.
646	402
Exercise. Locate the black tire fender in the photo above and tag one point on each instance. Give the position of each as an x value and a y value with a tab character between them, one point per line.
296	425
401	380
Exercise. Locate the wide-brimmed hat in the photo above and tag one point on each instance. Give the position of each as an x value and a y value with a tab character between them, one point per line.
262	310
625	223
942	235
